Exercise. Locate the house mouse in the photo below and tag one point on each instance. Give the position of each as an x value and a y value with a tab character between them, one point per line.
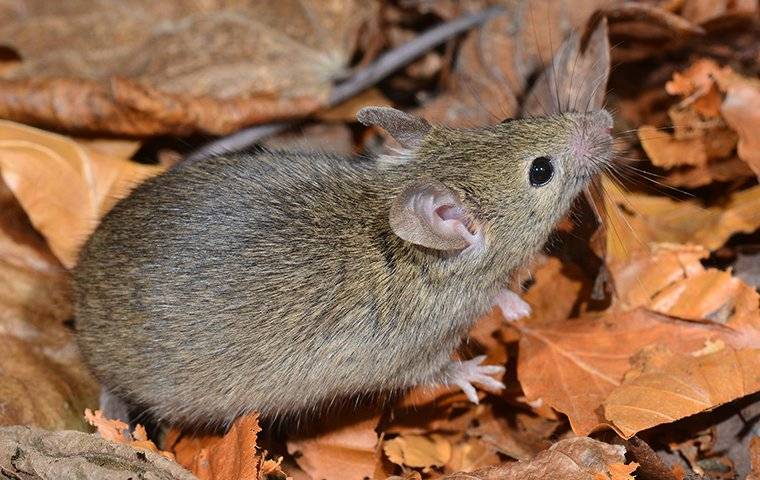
278	281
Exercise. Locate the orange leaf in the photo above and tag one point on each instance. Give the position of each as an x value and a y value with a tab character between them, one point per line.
348	452
118	431
64	187
675	386
231	457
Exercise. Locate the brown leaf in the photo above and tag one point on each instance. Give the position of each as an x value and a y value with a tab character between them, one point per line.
418	451
520	437
671	280
347	452
755	459
700	11
574	366
118	431
175	67
579	458
637	219
554	292
33	453
64	187
667	152
741	109
43	381
234	456
672	386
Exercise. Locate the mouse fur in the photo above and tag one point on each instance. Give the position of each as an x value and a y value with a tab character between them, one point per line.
273	281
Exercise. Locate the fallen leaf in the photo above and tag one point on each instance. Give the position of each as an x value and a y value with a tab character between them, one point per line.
175	67
470	453
520	436
234	456
619	471
64	187
671	280
43	380
667	152
579	458
637	219
418	451
667	389
741	109
33	453
348	451
700	11
119	432
755	459
575	365
555	291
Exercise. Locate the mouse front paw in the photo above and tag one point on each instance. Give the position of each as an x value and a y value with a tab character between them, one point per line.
511	305
464	374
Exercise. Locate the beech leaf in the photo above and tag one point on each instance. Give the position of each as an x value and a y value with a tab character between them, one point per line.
64	187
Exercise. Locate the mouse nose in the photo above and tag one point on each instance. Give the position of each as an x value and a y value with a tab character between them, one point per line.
603	118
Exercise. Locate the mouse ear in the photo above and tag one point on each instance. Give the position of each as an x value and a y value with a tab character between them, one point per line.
407	129
429	214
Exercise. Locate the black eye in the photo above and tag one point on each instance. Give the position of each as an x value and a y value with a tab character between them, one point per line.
541	171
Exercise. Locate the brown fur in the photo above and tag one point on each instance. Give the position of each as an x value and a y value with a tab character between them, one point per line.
273	282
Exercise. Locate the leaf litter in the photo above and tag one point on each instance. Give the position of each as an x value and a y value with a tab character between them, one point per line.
671	339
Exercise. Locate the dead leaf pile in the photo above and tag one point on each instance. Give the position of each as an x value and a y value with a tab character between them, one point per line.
640	358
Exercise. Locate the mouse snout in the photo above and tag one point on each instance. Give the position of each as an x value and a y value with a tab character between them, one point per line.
591	140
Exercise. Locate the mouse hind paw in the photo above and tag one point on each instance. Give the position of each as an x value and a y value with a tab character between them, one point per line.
465	374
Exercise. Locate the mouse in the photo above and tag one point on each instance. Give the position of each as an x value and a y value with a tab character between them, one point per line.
278	282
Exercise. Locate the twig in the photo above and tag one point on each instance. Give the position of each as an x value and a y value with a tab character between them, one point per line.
363	79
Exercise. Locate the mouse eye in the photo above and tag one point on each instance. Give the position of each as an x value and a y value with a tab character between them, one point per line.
541	171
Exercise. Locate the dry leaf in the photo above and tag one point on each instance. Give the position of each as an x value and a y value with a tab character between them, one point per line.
63	187
741	109
700	11
347	452
418	451
667	152
619	471
670	279
637	219
520	437
118	431
234	456
672	386
43	381
579	458
573	366
174	67
32	453
755	459
554	292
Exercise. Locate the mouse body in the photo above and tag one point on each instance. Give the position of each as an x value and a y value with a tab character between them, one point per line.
279	281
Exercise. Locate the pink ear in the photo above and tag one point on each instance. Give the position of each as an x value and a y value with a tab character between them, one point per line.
427	213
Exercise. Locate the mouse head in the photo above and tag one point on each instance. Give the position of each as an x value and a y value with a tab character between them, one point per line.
499	188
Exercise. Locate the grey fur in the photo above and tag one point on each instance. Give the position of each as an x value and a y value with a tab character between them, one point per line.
273	282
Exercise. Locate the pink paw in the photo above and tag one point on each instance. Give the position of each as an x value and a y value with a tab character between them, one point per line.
464	374
512	306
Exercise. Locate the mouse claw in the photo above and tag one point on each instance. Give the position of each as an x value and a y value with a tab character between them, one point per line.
512	306
464	374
